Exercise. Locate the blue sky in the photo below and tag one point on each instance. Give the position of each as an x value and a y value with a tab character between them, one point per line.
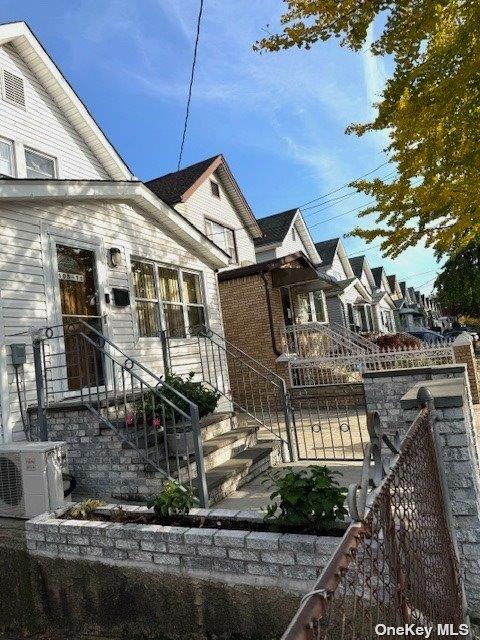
279	119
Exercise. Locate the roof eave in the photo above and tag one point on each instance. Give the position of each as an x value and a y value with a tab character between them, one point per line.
133	191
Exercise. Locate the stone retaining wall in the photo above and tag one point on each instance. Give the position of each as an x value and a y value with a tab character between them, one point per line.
290	561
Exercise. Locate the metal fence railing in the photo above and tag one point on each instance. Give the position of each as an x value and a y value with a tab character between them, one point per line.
399	565
347	368
75	363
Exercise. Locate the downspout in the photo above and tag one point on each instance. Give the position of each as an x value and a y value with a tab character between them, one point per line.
276	350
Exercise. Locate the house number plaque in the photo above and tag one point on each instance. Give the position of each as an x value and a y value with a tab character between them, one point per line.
73	277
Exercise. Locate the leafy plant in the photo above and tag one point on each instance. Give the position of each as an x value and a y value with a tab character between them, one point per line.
387	342
173	500
83	509
155	408
309	498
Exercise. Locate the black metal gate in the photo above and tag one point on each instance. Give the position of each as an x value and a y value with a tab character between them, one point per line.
330	422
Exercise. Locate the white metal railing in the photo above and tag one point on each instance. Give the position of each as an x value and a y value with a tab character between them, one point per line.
356	338
313	371
319	340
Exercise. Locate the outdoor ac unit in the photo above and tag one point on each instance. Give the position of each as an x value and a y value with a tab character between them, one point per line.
31	478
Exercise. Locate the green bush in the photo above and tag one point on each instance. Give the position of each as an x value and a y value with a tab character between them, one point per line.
173	500
309	498
153	405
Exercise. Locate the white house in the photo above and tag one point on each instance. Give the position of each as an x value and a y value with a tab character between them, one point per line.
208	196
347	294
384	306
81	236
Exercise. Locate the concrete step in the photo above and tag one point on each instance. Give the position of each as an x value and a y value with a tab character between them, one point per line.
226	478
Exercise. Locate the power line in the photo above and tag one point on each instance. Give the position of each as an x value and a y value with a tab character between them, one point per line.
190	86
343	186
342	197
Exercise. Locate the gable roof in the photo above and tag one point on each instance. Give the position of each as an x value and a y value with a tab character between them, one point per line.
377	275
327	250
392	281
31	50
172	187
275	227
178	186
357	264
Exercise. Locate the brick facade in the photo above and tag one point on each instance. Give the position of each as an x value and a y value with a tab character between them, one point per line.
464	354
246	319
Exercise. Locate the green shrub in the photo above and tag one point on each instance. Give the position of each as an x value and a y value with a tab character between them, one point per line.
173	500
154	407
309	498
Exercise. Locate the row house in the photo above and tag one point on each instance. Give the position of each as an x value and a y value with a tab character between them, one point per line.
83	240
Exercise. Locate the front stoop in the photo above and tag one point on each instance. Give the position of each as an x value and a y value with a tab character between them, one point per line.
105	465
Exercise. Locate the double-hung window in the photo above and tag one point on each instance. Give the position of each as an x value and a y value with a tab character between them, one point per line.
146	298
6	158
310	306
39	165
223	236
168	292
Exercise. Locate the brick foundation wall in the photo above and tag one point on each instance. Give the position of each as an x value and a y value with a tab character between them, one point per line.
464	354
384	390
291	562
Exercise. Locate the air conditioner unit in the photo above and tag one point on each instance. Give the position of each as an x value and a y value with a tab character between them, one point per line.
31	478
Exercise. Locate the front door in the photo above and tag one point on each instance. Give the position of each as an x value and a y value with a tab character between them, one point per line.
79	301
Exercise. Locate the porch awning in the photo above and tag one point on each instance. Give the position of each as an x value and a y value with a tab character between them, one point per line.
286	277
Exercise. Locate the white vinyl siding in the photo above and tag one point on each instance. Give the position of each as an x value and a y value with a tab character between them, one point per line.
291	244
42	126
202	205
28	299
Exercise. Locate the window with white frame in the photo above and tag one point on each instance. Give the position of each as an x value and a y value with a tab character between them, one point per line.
39	165
168	292
310	306
146	299
223	236
6	157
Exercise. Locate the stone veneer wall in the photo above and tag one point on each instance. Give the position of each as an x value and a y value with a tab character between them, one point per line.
454	422
384	390
291	562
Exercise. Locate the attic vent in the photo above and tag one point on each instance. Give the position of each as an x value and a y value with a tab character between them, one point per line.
13	88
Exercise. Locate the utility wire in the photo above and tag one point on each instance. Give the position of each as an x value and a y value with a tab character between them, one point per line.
190	86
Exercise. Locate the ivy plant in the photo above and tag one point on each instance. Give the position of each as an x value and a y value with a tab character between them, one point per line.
173	500
309	498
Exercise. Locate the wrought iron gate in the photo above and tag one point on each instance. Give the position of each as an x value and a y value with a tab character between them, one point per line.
330	422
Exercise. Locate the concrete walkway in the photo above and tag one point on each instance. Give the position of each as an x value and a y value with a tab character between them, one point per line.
256	494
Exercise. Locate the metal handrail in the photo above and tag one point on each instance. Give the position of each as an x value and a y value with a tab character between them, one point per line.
250	398
132	399
208	332
128	358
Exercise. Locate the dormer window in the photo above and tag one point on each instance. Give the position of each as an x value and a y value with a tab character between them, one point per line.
39	165
6	158
215	188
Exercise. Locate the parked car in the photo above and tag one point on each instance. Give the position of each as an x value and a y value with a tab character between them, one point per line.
453	333
429	337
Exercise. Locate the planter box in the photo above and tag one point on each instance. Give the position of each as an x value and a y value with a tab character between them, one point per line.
292	562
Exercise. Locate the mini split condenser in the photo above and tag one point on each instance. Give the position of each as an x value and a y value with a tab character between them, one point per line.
31	479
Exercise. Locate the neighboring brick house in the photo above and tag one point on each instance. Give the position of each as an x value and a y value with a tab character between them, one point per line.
255	305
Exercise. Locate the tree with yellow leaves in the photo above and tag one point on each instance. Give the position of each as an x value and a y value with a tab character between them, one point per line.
430	108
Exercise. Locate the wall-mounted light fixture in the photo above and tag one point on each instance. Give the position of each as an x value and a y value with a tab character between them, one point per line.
115	256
